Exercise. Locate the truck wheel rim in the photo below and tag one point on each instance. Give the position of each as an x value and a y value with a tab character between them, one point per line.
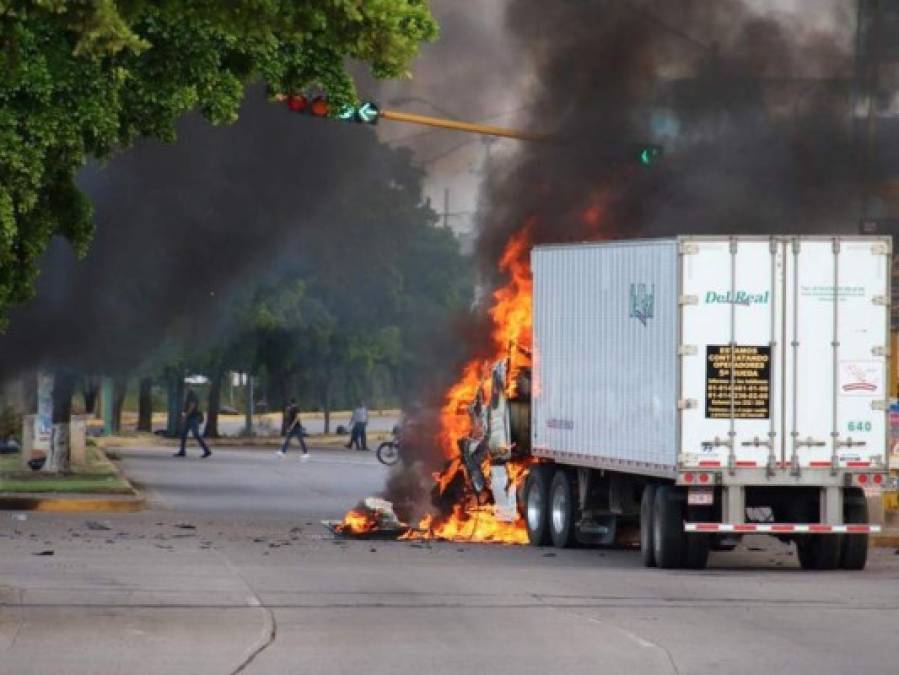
535	507
558	509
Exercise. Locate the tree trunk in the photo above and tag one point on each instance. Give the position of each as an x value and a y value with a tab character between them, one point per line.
326	405
90	389
58	457
211	430
175	395
120	388
248	427
145	405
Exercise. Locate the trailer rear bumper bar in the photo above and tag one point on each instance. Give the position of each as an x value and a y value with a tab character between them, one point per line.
780	528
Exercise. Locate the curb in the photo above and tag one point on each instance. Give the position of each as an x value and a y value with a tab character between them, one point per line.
71	503
886	539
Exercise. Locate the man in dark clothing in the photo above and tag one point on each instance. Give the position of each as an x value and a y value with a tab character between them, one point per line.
191	418
293	429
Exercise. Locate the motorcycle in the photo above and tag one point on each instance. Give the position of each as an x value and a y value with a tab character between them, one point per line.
388	452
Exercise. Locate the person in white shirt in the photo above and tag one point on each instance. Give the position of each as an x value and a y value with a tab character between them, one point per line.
358	422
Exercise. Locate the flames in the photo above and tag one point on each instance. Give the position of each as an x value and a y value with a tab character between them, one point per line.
357	521
511	316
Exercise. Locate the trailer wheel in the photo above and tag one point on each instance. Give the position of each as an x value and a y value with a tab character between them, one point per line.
819	552
646	544
536	504
562	510
668	527
697	546
855	546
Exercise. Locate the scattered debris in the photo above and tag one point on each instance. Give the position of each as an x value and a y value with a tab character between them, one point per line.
47	552
755	548
96	525
185	526
372	550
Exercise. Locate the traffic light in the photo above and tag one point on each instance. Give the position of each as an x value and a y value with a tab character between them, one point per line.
366	112
648	154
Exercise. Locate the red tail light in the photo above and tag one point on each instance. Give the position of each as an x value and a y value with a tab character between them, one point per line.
297	103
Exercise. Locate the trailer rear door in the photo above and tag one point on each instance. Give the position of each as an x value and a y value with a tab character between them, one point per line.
731	341
836	363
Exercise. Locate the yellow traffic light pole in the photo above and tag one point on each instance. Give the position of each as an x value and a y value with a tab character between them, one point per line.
442	123
470	127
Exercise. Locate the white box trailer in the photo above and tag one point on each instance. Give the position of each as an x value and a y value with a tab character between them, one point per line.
716	386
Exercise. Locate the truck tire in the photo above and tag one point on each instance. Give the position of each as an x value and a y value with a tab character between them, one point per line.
646	544
819	551
536	504
668	527
697	546
854	555
562	510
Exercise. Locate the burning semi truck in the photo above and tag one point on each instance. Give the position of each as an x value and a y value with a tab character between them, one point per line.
705	387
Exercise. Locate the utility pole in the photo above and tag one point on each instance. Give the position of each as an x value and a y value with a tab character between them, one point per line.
251	404
446	213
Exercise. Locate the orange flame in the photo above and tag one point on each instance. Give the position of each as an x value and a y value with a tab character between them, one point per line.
511	315
357	522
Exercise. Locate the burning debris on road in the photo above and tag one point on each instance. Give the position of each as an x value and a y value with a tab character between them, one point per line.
372	517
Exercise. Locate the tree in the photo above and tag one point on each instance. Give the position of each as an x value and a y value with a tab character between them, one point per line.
86	79
145	404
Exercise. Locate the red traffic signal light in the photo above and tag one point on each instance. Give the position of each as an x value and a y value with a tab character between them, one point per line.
297	103
319	106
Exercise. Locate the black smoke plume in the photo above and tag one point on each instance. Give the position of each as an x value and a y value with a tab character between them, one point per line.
753	112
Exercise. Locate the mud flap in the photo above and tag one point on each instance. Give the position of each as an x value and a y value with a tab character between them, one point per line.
505	507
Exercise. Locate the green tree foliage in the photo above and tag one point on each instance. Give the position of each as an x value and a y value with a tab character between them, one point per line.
82	78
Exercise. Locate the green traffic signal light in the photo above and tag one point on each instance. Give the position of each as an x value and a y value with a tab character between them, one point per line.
648	154
347	113
368	113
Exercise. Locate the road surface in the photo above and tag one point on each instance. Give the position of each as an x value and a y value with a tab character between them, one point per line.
230	571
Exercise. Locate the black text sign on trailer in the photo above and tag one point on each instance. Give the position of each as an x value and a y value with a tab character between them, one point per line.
751	382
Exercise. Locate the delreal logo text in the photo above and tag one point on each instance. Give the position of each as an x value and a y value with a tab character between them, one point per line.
737	298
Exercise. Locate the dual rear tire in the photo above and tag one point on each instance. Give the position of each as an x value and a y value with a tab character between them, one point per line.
551	505
830	551
663	542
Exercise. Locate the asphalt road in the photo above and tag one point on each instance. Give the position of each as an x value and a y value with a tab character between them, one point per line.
231	572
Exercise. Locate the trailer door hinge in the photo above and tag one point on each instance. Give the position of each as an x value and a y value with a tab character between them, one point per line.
880	351
687	350
880	249
688	300
686	404
880	300
686	248
879	404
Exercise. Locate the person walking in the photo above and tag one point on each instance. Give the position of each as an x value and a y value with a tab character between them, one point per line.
358	422
191	418
293	429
